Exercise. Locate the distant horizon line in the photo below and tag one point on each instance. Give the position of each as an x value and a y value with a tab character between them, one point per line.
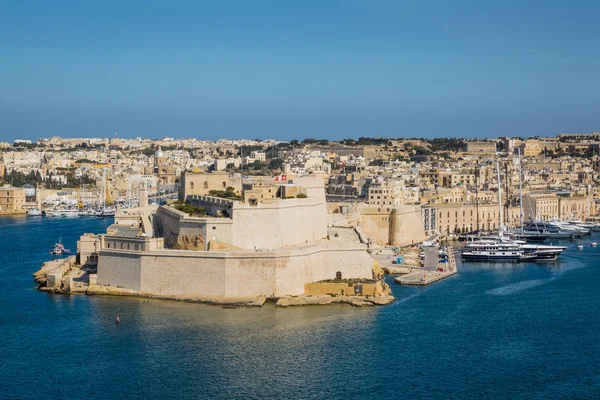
257	138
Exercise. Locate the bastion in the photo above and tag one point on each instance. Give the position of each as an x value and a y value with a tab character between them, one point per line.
264	245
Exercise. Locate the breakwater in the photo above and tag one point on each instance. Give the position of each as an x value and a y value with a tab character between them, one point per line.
431	272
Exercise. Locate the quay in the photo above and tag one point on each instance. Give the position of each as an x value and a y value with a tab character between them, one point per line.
429	272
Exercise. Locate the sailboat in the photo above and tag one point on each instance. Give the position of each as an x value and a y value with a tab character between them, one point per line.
505	248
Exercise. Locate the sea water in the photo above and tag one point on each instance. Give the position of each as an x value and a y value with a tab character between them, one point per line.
491	331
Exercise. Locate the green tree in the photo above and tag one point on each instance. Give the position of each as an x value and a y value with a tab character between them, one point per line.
276	163
257	165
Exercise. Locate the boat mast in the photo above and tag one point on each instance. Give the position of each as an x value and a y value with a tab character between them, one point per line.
477	196
499	195
104	190
507	187
520	190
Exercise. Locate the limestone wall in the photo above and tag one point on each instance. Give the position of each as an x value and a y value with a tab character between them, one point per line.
178	228
343	288
120	269
231	274
284	223
406	226
268	226
397	226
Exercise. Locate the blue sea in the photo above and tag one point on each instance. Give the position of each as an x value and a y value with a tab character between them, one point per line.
500	331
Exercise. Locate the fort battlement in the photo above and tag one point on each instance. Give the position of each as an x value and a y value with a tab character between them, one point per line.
199	200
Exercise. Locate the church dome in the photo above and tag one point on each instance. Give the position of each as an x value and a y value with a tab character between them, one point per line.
159	153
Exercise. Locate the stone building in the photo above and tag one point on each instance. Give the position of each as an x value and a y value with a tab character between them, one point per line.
549	205
12	199
462	217
191	183
480	146
392	225
167	175
272	248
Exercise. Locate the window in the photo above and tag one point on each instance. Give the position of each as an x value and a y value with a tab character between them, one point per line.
205	184
192	185
338	275
224	185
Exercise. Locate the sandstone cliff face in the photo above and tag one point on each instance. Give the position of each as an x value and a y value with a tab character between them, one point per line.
378	272
185	242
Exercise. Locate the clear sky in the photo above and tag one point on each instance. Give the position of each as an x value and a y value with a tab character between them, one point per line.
289	69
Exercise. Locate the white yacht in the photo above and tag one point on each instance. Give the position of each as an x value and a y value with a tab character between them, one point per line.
68	213
34	212
550	229
494	250
108	212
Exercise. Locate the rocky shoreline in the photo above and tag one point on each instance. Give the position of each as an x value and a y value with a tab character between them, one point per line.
65	276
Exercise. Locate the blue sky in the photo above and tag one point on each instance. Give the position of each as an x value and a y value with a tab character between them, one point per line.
289	69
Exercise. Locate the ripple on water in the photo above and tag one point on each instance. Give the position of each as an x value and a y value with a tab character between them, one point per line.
517	287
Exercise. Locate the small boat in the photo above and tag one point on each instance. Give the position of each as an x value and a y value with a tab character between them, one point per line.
580	246
107	212
68	213
593	244
59	249
34	212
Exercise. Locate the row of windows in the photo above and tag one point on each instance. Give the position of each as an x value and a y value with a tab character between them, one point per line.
464	214
192	185
466	228
115	246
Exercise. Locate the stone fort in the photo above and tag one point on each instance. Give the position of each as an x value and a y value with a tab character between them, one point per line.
272	241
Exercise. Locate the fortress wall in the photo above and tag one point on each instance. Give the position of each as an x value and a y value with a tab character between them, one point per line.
397	226
284	223
123	269
375	224
355	264
171	224
252	277
183	275
230	274
406	226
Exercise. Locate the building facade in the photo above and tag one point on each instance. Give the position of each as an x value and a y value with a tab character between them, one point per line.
12	199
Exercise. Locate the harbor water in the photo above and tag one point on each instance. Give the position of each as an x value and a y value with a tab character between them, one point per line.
491	331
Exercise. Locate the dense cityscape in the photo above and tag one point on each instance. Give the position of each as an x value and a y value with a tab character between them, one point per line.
299	200
447	178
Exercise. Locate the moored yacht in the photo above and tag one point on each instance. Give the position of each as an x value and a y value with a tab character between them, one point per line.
108	212
494	250
543	252
34	212
551	230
